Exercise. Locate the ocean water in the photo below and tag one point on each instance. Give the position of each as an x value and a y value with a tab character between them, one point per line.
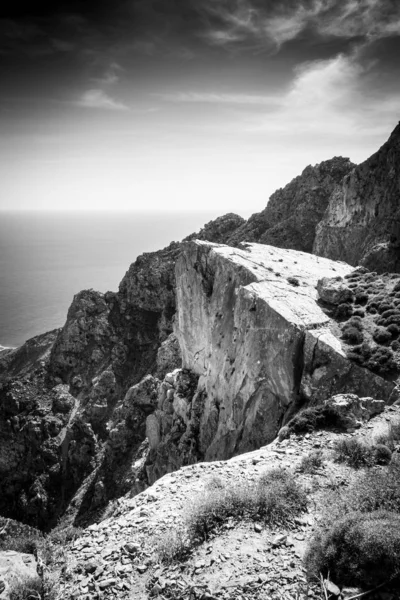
46	258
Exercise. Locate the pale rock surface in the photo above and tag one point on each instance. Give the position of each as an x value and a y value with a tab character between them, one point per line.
251	330
334	291
356	410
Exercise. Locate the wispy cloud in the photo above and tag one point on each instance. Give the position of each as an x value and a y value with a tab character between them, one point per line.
111	75
269	25
97	98
210	98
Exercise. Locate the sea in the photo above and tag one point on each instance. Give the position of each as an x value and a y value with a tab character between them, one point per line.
46	258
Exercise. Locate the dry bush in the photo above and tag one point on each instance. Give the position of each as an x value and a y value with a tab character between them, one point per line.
275	498
311	462
358	550
358	454
27	589
315	417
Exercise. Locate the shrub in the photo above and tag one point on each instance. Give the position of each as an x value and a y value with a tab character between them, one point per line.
361	297
394	330
352	335
293	281
276	499
343	311
311	462
173	546
391	437
356	322
383	307
381	335
353	452
395	345
359	549
382	454
381	360
315	417
28	589
389	313
359	312
396	287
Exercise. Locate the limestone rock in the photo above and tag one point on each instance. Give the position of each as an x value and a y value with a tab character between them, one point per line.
356	410
168	356
334	291
255	342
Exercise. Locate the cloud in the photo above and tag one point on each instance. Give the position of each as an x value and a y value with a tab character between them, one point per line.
333	97
97	98
111	75
269	25
210	98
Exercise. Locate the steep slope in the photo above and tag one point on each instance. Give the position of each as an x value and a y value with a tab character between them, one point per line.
292	213
58	392
362	222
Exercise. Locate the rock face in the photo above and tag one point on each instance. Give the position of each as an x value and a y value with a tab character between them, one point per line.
362	222
251	331
292	213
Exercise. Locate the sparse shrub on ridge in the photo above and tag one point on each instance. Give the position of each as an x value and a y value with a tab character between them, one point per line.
363	547
358	550
311	462
315	417
343	311
293	281
352	335
381	335
27	589
275	499
358	454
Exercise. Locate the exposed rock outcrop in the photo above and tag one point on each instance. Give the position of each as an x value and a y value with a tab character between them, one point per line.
292	213
364	213
251	330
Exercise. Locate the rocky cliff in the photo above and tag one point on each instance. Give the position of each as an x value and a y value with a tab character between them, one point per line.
86	412
362	221
256	344
62	393
292	213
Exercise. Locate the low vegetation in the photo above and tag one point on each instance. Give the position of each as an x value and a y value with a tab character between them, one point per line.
358	454
358	550
311	462
28	589
361	548
370	321
313	418
275	499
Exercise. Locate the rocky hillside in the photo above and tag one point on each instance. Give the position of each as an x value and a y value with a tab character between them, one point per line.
362	222
293	213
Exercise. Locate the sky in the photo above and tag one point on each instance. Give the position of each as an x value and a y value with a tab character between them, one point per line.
188	104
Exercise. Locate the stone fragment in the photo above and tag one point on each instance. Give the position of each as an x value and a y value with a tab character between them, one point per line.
332	588
334	290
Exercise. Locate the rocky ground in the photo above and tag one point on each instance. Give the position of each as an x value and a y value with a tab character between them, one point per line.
117	558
